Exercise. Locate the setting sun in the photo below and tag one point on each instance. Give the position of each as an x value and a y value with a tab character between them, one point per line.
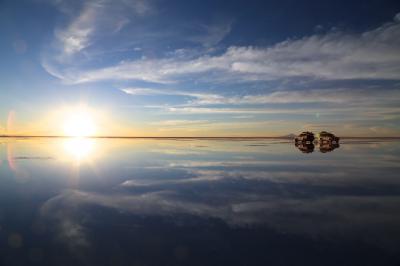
79	123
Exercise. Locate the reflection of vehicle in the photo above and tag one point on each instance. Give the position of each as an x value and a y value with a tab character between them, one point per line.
327	146
306	137
305	147
324	136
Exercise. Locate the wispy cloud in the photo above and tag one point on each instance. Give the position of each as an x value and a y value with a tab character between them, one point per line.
179	123
342	95
89	21
77	35
200	97
373	54
212	34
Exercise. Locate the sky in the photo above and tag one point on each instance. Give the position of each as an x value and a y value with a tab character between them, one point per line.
201	68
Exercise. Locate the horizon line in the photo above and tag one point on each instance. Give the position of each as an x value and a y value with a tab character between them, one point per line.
183	137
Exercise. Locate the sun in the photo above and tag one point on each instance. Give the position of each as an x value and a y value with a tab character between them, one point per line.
79	123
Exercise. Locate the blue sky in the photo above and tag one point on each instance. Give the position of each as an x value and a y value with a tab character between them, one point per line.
202	68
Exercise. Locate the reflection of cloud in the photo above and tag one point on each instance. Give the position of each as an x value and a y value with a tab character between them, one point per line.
68	228
288	194
270	173
339	216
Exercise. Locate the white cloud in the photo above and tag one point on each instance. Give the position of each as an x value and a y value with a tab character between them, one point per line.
179	123
204	110
77	35
243	117
397	17
201	98
213	34
91	19
341	95
365	96
372	54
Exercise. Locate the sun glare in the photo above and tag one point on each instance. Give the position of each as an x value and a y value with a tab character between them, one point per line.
79	148
79	124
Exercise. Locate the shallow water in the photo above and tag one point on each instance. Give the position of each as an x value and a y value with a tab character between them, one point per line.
198	202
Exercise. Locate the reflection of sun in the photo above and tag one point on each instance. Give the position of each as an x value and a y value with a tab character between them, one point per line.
79	123
80	152
79	148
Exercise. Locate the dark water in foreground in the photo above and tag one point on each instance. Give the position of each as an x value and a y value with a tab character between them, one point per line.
198	202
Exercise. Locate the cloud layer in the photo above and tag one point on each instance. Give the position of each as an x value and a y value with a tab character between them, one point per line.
371	55
185	68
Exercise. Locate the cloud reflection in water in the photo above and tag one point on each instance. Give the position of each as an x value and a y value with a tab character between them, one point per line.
272	192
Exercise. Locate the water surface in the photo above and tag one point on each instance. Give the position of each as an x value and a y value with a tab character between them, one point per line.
198	202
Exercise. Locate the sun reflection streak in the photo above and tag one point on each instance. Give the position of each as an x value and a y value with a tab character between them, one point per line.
79	149
80	152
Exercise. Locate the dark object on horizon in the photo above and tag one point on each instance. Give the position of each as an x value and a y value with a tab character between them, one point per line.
327	146
305	147
326	141
327	137
290	136
306	137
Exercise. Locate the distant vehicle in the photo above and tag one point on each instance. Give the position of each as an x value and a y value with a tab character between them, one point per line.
326	142
305	147
324	136
306	137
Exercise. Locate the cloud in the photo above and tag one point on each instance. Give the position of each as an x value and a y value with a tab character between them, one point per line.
397	17
179	123
243	117
91	20
373	54
340	113
77	35
212	34
201	97
341	95
329	74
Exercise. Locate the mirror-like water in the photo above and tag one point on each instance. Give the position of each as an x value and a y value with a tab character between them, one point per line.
198	202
